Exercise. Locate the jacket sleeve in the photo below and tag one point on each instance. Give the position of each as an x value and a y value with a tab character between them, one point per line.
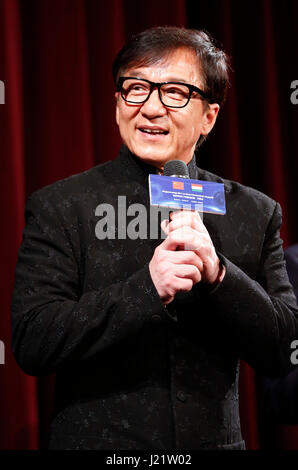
280	394
52	323
261	315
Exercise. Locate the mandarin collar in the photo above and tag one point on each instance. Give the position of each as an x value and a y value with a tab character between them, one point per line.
135	167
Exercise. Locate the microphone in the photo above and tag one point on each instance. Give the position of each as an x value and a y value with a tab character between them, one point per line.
176	168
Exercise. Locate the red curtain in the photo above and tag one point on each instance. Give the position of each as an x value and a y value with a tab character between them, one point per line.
58	119
255	140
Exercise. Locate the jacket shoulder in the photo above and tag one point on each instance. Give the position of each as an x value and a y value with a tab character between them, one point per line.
241	194
75	186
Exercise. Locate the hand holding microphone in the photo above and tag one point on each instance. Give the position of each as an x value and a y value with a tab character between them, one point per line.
195	261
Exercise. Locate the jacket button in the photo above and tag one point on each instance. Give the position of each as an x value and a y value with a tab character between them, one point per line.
181	396
156	318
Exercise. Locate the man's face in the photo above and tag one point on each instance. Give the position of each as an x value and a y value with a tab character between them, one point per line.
183	126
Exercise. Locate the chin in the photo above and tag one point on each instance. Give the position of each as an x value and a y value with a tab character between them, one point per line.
154	160
152	156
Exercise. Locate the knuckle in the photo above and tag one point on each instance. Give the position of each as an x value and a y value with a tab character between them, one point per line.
171	236
157	251
197	272
194	239
162	268
194	258
162	256
189	284
168	282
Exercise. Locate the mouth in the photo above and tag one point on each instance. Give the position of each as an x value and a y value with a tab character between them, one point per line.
153	131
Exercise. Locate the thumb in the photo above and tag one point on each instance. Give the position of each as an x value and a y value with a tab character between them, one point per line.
165	226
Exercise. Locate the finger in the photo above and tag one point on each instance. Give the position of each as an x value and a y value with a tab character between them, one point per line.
184	257
165	226
187	218
185	238
187	271
185	213
182	284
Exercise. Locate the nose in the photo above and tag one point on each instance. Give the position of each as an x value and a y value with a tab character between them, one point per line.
153	107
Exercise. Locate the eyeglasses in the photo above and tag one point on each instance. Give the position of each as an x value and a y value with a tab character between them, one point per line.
172	94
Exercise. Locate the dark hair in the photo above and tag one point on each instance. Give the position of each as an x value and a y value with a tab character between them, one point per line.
157	43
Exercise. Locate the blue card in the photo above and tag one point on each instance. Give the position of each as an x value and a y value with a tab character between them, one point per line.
184	193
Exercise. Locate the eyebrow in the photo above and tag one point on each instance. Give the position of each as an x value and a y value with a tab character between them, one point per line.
136	73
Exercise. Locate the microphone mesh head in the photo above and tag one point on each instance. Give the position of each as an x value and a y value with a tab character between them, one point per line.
176	168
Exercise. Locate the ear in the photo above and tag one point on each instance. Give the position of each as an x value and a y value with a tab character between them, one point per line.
210	115
117	106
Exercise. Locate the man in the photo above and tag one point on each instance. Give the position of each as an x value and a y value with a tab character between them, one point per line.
280	395
291	257
145	334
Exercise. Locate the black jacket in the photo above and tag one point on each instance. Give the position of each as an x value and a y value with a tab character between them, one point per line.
291	257
280	395
132	374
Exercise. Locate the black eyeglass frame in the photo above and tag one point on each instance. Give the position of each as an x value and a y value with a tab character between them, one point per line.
191	89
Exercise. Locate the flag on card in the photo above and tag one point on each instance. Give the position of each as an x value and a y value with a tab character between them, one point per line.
178	185
197	187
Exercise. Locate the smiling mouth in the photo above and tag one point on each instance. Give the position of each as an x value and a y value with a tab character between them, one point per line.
153	131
